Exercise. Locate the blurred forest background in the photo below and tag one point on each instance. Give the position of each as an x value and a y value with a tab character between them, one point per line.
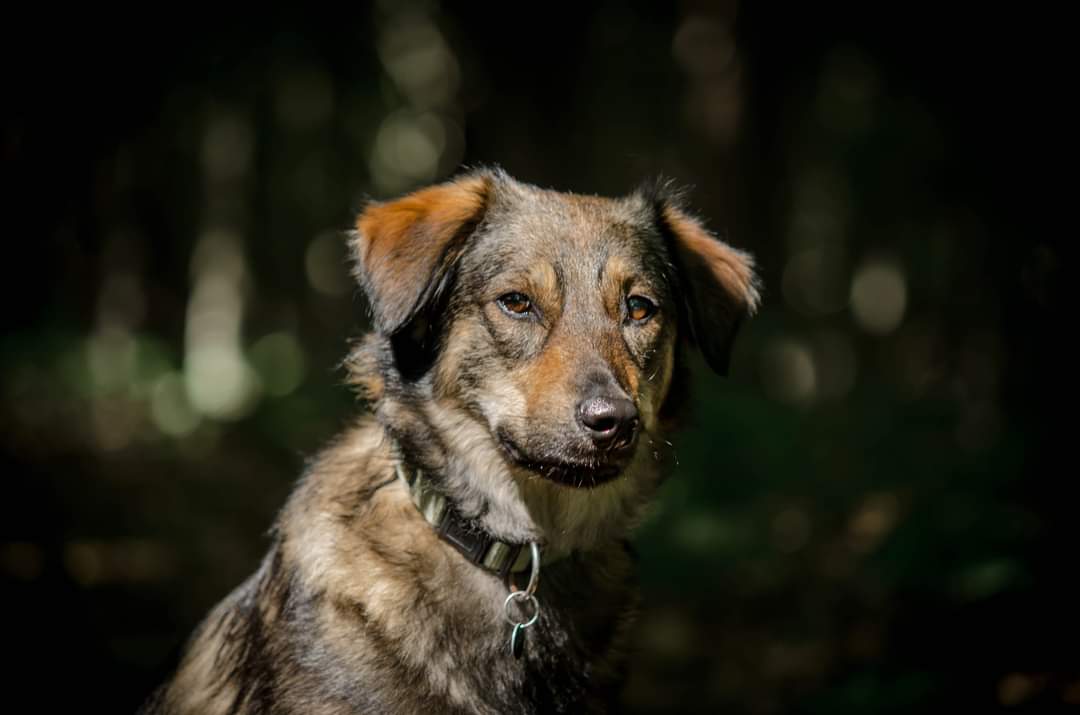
867	516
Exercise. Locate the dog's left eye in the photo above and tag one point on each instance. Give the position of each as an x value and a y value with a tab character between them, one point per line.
639	309
517	305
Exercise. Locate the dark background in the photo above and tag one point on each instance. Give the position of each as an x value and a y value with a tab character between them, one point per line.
869	515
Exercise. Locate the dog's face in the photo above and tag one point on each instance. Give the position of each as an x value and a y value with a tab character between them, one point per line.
566	331
554	319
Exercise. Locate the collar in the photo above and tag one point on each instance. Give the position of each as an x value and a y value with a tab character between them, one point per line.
472	541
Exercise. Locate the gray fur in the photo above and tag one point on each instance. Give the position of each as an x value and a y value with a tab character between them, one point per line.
359	607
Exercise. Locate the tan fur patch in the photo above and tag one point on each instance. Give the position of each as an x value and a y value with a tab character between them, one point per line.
734	269
458	342
400	244
544	284
385	228
623	365
544	377
616	275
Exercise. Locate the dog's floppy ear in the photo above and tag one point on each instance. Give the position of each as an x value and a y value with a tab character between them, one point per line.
717	282
404	250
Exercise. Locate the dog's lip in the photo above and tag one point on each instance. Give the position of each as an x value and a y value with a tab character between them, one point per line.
573	474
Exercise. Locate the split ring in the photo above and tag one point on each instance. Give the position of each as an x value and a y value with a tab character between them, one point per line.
527	598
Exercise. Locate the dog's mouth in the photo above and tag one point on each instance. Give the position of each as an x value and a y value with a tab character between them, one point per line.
580	474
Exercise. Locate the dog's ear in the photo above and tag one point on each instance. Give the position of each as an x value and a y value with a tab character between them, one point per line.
717	282
405	250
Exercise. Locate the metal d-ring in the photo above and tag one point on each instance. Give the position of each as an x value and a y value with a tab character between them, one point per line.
528	596
534	575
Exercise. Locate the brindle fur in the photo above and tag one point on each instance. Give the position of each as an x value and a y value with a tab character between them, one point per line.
359	606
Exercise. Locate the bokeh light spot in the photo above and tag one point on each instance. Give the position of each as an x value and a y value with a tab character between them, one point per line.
872	521
787	371
418	60
407	150
280	362
170	409
219	381
879	297
228	146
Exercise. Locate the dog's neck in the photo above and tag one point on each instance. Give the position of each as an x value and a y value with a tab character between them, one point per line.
473	542
509	503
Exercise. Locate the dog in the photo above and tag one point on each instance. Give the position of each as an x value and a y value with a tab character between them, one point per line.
462	548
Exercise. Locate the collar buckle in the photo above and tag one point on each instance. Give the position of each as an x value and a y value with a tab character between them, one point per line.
478	547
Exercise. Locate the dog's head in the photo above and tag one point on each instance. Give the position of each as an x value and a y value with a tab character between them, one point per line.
553	319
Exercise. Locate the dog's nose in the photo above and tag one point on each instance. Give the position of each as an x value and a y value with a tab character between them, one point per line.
611	422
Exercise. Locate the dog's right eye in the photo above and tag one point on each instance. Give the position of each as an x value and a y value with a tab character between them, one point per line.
516	305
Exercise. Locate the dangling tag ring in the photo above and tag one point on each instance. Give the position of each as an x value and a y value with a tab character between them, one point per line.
526	598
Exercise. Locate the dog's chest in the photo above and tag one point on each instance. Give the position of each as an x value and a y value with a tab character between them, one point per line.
457	645
564	661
